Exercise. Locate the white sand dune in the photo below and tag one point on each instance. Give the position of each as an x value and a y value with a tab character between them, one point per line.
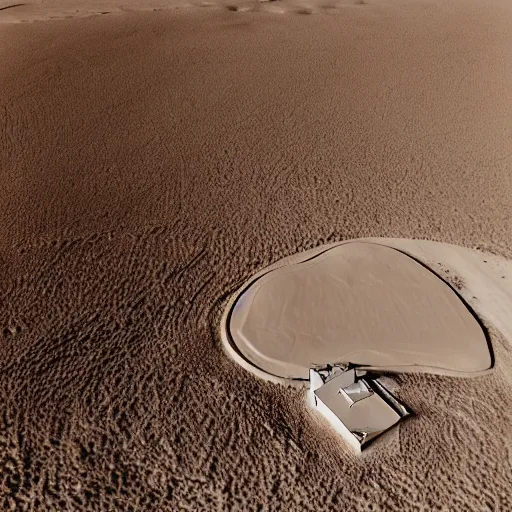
12	11
362	303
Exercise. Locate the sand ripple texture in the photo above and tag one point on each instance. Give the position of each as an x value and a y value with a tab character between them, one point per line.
150	162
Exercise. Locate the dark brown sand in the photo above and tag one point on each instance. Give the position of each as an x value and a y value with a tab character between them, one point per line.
151	162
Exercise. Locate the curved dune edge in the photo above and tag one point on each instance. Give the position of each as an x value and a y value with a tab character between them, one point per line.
482	281
361	303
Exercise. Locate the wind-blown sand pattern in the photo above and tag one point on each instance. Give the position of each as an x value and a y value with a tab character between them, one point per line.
355	303
152	162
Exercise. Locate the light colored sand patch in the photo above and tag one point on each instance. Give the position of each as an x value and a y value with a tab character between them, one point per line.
362	303
41	10
486	280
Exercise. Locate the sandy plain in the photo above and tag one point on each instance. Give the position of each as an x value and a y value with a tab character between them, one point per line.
151	162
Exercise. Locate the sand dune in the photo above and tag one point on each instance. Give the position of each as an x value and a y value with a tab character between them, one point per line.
151	162
362	303
39	10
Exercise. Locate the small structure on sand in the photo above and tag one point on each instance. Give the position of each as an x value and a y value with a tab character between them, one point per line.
326	316
357	405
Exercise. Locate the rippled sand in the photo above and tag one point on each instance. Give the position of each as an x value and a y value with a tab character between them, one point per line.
151	162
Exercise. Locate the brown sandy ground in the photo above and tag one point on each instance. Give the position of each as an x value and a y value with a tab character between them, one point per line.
151	162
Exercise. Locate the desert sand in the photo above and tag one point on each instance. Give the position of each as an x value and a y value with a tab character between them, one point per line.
151	162
358	303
